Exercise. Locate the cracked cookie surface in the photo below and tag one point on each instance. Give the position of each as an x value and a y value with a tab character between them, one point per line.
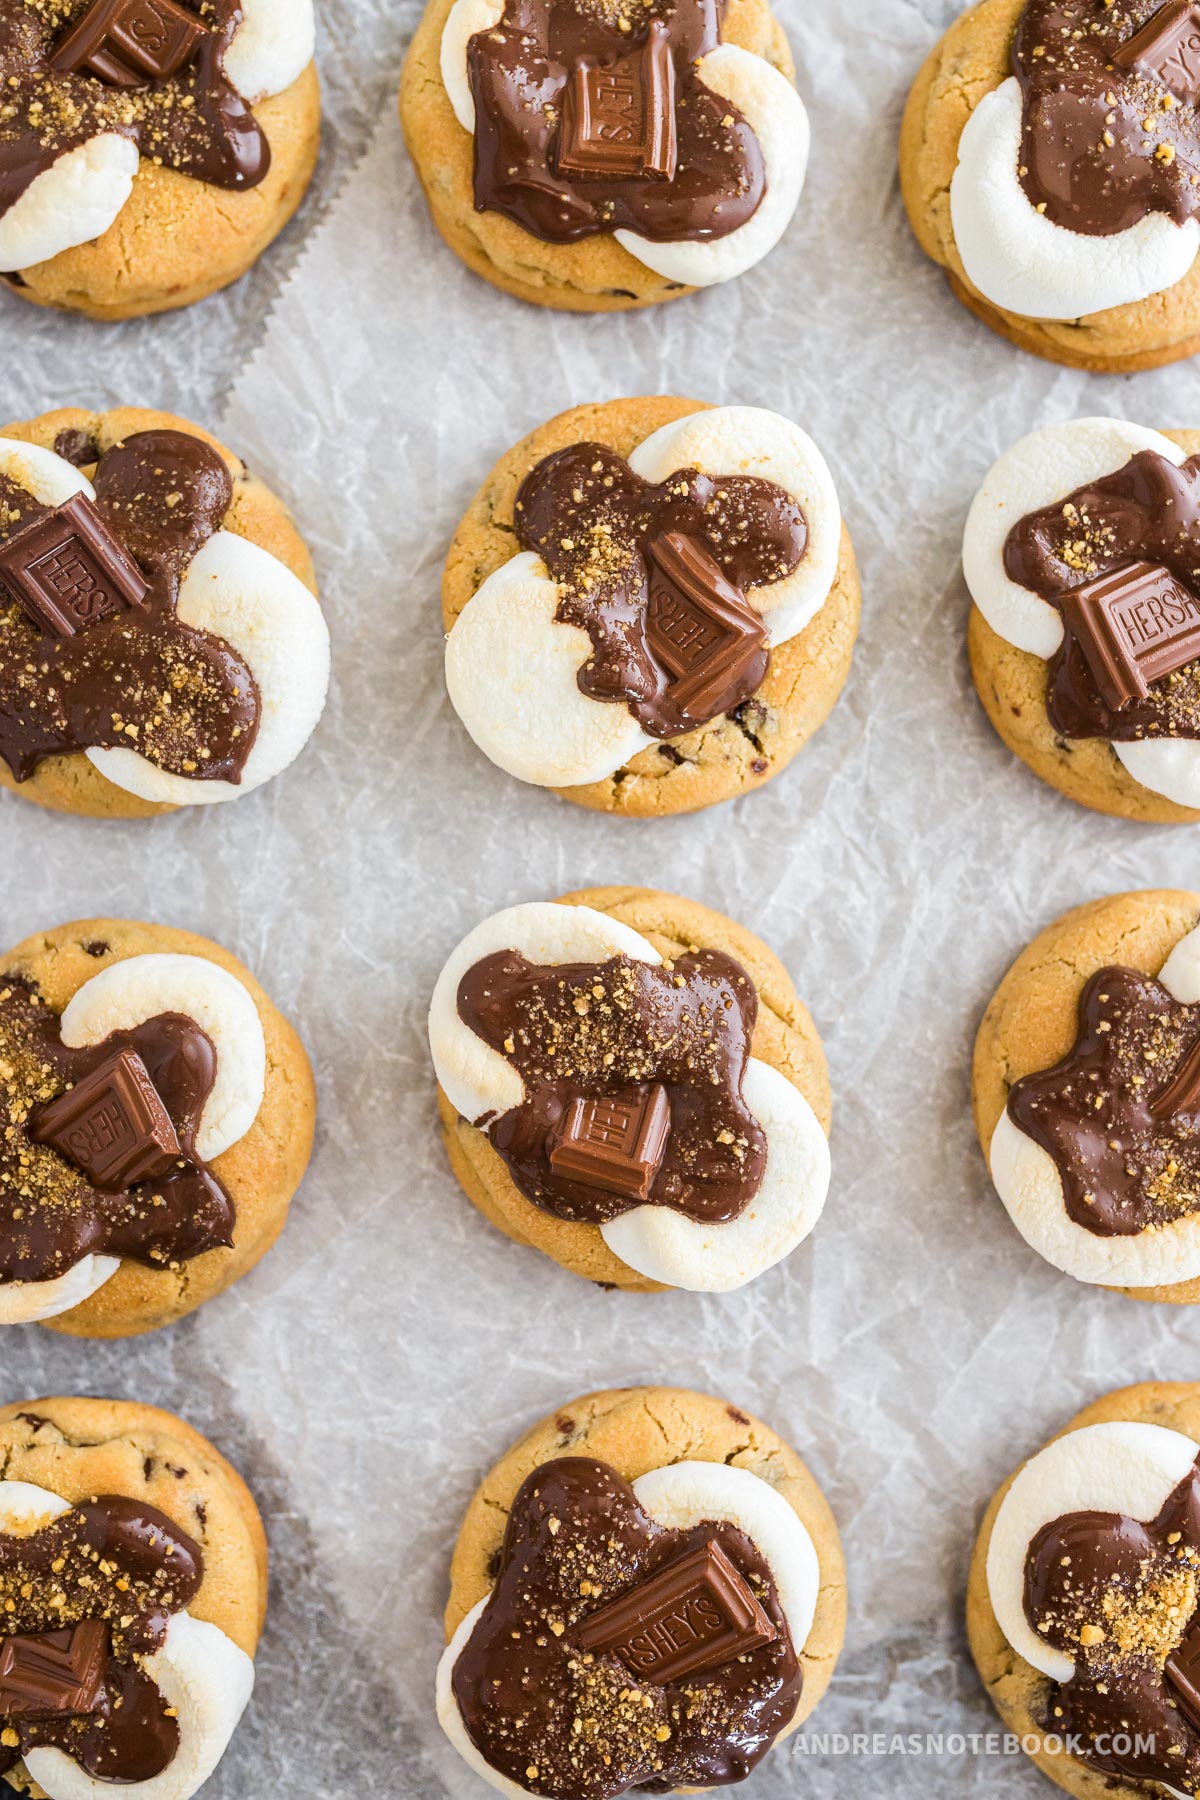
595	275
1017	1690
785	1037
1031	1021
731	755
971	60
260	1172
1014	686
635	1430
72	784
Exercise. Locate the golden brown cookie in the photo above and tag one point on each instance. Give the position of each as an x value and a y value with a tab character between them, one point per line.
731	755
1014	687
1032	1020
72	784
971	60
79	1448
785	1037
260	1172
178	239
635	1430
593	275
1019	1692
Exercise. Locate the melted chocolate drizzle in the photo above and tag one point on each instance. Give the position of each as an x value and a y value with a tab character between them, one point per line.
576	1539
1148	511
50	1215
596	1028
194	121
1123	1169
1087	155
104	1542
590	519
519	73
140	680
1102	1573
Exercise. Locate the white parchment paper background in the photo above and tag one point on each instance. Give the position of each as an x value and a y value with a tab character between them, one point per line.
392	1344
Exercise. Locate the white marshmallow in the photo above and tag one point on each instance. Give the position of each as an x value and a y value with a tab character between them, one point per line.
679	1497
766	100
1117	1467
775	113
128	993
751	441
25	1507
73	201
48	477
1028	1182
717	1258
466	17
657	1242
512	668
234	590
1167	766
512	675
25	1302
1041	469
271	47
198	1669
476	1079
208	1679
1020	260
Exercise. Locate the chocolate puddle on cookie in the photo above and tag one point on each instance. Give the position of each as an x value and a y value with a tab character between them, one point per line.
657	576
590	117
583	1724
1120	1115
1141	528
86	660
1111	127
51	1214
193	120
1119	1597
85	1598
664	1048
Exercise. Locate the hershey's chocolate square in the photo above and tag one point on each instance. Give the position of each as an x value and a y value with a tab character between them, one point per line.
1168	47
615	1142
697	1614
699	627
68	570
1182	1671
53	1674
131	42
112	1125
1182	1092
1134	625
619	117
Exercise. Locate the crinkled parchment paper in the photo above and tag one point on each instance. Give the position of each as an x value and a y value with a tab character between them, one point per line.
392	1345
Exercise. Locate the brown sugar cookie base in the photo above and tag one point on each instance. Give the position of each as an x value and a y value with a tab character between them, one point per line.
1031	1021
635	1430
177	239
785	1037
971	60
731	755
1014	686
594	275
1016	1689
260	1172
80	1447
71	784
